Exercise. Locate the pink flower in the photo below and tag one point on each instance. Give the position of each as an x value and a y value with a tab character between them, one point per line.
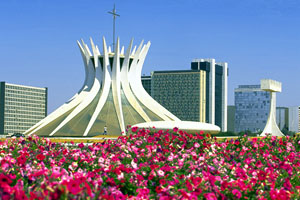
160	172
237	193
196	145
81	145
210	196
73	187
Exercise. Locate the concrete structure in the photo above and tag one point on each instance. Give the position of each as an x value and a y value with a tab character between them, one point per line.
282	117
252	107
112	96
21	107
230	118
294	117
271	127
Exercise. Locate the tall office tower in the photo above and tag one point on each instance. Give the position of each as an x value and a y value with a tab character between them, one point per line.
230	118
21	107
216	90
183	92
146	82
294	117
282	116
252	108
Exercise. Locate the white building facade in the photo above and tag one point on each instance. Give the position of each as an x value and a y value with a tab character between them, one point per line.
294	116
216	90
21	107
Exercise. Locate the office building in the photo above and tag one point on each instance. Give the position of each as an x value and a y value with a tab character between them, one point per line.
199	94
252	108
183	92
216	90
21	107
282	117
294	117
230	118
146	82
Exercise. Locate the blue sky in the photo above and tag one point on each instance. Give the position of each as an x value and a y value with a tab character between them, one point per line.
258	38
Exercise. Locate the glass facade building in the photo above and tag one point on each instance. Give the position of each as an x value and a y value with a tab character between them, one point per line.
252	108
21	107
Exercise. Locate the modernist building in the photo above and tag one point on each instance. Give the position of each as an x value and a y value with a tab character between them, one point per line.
111	98
252	108
282	117
294	117
21	107
183	92
230	118
216	90
199	94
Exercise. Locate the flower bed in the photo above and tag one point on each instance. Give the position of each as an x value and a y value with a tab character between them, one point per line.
161	165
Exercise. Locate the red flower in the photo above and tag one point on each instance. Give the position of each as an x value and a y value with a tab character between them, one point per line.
262	175
40	157
162	181
73	187
81	145
20	195
189	185
158	189
4	180
134	129
21	160
175	129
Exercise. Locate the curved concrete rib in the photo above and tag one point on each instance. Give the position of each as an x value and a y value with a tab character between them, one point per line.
90	96
105	89
141	89
125	85
73	102
116	90
137	87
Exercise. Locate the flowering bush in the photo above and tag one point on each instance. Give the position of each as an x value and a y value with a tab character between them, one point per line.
145	165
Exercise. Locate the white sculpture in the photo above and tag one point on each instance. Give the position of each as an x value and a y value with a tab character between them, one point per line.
111	97
271	126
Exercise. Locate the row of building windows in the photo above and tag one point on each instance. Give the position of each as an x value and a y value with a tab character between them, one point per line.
22	96
23	100
24	110
23	117
14	87
22	123
27	105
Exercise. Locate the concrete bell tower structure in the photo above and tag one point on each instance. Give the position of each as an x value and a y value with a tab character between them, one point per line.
271	127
